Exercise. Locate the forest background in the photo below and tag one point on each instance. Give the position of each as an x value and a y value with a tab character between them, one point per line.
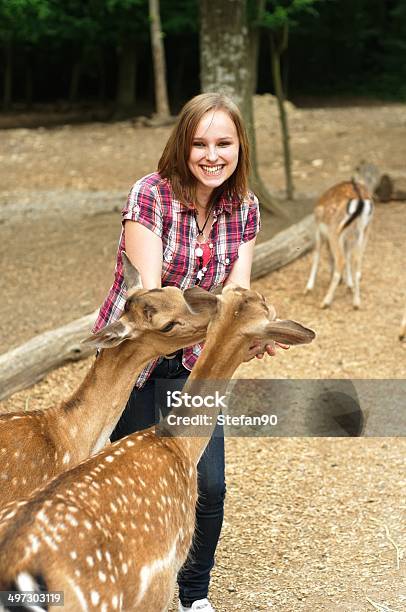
98	52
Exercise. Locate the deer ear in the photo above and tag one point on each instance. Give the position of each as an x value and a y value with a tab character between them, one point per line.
289	332
109	336
198	300
132	277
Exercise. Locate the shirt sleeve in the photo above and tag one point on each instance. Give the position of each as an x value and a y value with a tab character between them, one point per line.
143	205
253	223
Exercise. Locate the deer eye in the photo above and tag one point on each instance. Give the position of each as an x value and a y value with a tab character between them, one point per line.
168	327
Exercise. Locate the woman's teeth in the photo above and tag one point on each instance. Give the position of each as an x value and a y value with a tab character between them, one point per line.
212	170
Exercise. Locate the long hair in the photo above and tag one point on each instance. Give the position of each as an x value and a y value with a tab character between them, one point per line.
173	164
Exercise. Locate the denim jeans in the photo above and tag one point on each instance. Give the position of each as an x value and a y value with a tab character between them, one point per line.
140	413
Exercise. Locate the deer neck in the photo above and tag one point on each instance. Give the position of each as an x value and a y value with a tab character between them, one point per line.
86	420
212	373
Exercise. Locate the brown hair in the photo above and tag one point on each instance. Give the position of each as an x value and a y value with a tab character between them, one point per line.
173	164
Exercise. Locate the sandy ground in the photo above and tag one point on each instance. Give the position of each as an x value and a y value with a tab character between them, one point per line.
311	524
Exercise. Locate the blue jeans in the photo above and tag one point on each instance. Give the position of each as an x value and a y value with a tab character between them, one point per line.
140	413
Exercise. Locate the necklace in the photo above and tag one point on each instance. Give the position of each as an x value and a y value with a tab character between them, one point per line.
201	230
203	250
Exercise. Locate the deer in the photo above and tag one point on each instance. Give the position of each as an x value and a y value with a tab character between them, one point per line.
113	532
343	215
402	331
36	446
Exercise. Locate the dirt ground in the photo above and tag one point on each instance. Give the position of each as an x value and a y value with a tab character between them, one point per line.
311	524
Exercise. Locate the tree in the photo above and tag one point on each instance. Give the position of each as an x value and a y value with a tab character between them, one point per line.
128	21
228	56
22	22
278	17
158	57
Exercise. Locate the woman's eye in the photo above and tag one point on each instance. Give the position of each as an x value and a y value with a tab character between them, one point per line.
198	144
224	144
168	327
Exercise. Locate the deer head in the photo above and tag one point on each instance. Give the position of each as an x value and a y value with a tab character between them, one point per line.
163	314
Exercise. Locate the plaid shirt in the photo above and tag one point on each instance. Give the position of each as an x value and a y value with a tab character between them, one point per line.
152	203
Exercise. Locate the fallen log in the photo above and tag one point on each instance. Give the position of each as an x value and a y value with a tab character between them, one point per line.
30	362
283	248
391	188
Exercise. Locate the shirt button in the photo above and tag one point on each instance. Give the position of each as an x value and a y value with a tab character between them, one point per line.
211	245
227	261
170	257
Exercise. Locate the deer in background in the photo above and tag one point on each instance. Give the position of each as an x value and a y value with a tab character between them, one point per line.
36	446
113	532
402	331
343	214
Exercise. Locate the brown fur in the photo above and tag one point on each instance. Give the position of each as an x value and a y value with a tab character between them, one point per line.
120	524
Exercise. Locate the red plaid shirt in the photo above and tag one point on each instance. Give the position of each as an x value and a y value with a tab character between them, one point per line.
152	203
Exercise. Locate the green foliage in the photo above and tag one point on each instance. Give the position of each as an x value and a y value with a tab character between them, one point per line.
23	21
281	13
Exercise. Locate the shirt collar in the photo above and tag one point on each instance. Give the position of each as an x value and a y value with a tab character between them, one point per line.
225	204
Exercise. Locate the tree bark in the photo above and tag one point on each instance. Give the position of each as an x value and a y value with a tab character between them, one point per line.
228	63
158	58
30	362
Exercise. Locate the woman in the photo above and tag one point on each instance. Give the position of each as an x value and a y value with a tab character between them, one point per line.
192	222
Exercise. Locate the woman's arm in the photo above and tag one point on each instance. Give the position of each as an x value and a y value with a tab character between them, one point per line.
144	248
241	271
241	275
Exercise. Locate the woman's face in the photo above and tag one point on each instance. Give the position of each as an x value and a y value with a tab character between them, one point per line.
214	153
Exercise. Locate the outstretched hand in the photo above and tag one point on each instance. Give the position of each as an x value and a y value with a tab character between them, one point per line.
257	350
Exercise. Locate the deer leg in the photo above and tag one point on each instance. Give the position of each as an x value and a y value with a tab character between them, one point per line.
315	264
337	250
402	331
358	255
348	272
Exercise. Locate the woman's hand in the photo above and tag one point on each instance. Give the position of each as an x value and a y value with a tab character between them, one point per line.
256	350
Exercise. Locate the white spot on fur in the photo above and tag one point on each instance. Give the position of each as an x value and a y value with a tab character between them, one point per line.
148	571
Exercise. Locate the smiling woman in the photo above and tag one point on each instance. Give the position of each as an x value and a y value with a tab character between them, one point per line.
192	222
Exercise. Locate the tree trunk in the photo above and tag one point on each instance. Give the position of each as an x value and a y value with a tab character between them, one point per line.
158	58
101	69
30	362
75	81
228	63
277	48
8	75
28	83
125	93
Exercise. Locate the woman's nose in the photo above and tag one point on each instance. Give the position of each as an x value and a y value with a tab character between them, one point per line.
211	153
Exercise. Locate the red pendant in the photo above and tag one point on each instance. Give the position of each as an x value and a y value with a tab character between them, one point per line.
204	251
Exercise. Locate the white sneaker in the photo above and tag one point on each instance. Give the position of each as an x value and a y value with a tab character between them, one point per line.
201	605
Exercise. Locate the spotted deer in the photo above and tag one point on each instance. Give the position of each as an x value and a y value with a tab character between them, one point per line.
113	532
343	214
36	446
